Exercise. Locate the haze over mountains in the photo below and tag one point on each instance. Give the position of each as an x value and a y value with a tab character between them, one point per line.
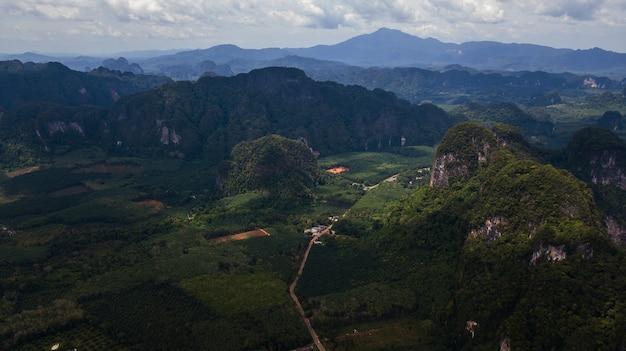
383	48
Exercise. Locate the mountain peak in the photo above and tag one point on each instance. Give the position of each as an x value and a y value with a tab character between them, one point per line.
392	37
388	31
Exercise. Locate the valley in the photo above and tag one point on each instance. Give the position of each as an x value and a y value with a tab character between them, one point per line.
145	213
145	239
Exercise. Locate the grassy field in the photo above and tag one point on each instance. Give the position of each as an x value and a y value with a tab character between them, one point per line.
369	168
398	333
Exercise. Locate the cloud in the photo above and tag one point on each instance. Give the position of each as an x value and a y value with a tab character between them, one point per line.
472	11
47	9
575	9
329	14
157	11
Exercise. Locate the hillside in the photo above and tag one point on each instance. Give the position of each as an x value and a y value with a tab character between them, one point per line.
208	117
534	130
21	83
501	252
598	157
285	171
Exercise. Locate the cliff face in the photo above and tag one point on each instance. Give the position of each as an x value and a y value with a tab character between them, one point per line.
616	231
444	167
464	149
607	168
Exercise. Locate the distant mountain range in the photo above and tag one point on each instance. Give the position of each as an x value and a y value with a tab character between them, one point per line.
384	48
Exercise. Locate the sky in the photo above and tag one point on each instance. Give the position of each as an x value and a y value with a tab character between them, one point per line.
93	27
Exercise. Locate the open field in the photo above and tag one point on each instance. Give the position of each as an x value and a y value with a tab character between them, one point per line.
369	168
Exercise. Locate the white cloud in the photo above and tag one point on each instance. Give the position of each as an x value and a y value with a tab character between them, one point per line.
472	11
48	9
156	11
574	9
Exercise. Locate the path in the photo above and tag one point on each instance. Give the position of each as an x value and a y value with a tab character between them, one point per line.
393	178
292	289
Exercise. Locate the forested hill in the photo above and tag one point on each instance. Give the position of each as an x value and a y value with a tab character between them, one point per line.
22	83
210	116
48	108
512	252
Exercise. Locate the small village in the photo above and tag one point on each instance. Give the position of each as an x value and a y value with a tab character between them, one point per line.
317	231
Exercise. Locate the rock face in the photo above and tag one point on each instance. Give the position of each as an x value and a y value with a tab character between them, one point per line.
491	230
62	127
548	253
442	170
169	136
616	231
606	169
505	344
464	149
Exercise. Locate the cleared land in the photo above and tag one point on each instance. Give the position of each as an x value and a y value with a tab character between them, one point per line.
240	236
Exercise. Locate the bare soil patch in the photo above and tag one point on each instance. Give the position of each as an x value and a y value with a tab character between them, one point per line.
240	236
338	170
157	205
19	172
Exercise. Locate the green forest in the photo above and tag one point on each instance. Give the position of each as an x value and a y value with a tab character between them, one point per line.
178	216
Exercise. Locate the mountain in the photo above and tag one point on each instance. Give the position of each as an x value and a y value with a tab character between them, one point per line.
387	48
534	130
598	157
210	116
122	65
393	48
207	118
384	48
21	83
454	84
502	251
238	59
77	63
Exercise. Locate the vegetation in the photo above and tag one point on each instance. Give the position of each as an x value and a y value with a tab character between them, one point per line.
284	170
21	83
135	245
536	130
492	247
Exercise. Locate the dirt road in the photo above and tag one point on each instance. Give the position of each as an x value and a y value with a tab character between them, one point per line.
292	289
